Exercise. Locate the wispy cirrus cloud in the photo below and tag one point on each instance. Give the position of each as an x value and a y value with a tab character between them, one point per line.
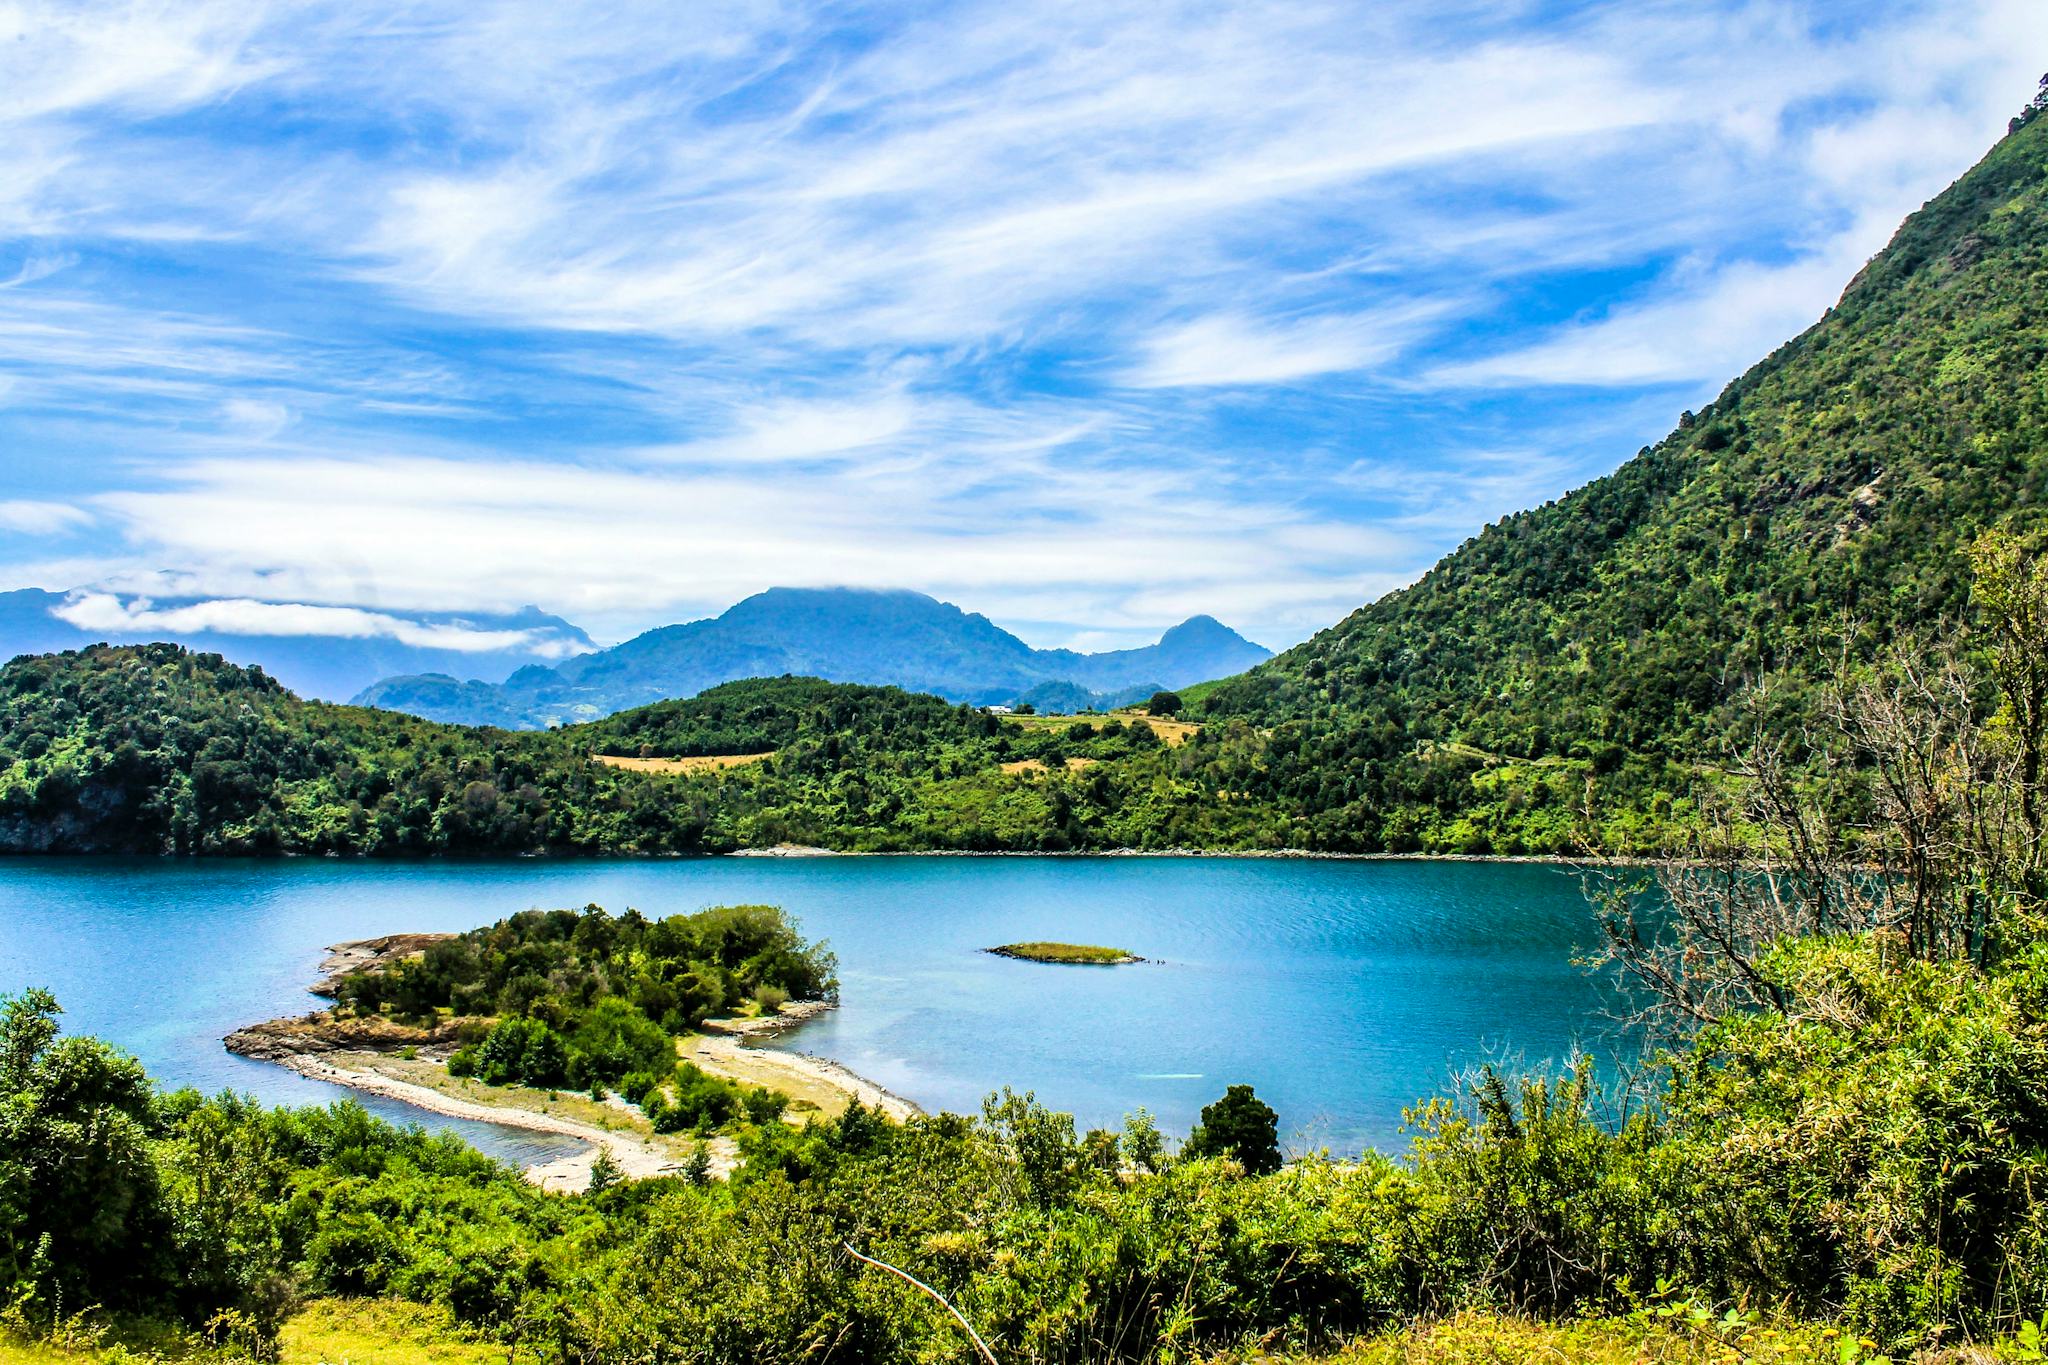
34	517
1234	350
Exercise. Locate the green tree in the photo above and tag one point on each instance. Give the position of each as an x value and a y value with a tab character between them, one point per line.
2011	592
80	1205
1239	1125
1163	704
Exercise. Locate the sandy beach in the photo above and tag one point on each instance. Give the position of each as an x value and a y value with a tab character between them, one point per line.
724	1049
639	1156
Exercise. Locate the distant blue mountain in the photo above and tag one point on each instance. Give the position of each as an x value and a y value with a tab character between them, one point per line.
840	634
313	660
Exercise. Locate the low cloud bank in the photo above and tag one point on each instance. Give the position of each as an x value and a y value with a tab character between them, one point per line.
100	611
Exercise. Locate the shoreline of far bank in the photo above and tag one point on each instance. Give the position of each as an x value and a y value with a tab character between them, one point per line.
814	851
1273	854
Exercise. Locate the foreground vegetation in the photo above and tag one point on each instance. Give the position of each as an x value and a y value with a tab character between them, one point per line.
1868	1155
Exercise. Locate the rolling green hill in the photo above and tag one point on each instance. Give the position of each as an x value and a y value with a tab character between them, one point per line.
154	749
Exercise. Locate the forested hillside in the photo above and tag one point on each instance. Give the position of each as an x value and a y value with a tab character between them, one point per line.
1604	638
151	748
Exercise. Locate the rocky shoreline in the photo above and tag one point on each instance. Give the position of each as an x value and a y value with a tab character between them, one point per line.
368	955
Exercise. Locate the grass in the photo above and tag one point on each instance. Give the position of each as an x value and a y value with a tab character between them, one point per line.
322	1332
1478	1338
1032	767
809	1096
672	767
1078	954
391	1332
1173	732
379	1332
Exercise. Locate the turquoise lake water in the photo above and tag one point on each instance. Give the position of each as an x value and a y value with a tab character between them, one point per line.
1341	990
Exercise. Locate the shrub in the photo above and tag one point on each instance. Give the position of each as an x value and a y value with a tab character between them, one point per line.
522	1052
637	1085
762	1105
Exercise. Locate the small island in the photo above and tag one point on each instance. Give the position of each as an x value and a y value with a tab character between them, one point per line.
1068	954
630	1033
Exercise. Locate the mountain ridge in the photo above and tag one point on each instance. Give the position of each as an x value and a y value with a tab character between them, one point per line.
892	637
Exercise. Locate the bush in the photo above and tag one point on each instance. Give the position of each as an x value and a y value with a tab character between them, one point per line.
522	1052
763	1106
637	1085
613	1039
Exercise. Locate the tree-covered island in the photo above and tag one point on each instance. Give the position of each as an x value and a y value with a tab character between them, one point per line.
567	1000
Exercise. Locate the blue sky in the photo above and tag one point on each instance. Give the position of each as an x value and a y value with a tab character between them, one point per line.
1086	316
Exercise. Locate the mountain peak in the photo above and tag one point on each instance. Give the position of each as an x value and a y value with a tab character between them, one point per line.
1203	631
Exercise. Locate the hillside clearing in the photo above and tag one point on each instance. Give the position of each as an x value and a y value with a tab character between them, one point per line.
1174	731
1034	767
674	767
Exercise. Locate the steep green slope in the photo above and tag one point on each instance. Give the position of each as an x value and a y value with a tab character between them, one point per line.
1587	652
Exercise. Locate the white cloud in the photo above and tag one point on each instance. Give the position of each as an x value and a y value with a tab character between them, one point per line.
606	544
1710	322
100	611
35	517
790	429
142	58
257	418
1228	349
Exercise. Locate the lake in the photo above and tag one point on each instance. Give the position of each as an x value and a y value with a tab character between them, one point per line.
1342	990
